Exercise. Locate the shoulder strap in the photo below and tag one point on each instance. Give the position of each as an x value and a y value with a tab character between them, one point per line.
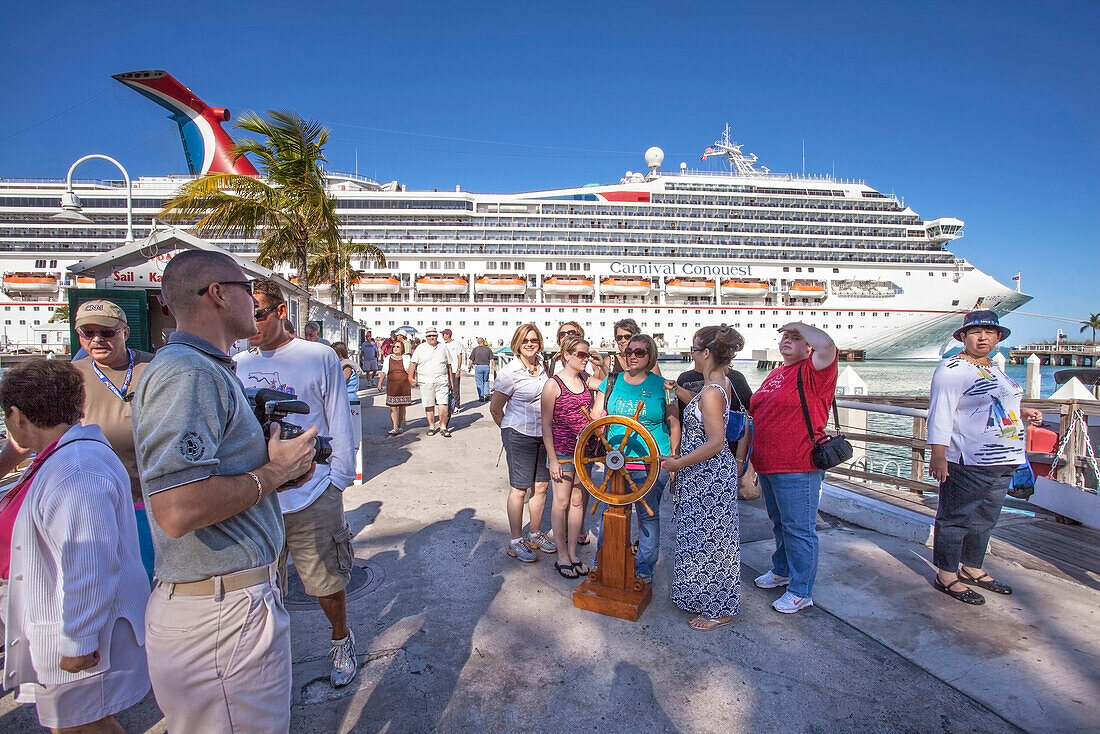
733	392
610	387
806	411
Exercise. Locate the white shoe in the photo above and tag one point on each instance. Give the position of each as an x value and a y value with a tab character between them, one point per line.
344	664
789	603
771	581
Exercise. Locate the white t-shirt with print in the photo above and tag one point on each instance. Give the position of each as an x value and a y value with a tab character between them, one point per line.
975	413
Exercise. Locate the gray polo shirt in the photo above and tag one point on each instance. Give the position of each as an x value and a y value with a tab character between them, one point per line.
192	421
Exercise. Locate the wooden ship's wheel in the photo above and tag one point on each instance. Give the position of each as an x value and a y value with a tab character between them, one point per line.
613	588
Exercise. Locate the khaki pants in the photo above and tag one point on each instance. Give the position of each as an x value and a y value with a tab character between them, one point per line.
220	666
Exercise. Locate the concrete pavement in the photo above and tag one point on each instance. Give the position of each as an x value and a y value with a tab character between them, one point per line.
457	636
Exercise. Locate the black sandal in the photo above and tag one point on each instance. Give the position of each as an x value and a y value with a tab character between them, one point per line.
581	569
985	581
563	568
966	596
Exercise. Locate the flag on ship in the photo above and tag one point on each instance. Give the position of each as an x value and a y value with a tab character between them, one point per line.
709	151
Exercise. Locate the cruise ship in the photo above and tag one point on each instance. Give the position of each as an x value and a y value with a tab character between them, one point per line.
672	249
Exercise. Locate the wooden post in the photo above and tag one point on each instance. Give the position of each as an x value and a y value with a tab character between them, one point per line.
916	469
613	588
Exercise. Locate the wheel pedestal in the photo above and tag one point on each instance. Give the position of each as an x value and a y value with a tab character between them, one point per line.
613	588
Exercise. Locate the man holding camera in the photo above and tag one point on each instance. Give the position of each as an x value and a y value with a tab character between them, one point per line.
317	537
217	634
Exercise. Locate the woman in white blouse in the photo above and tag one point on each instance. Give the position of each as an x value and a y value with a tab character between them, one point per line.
74	587
516	408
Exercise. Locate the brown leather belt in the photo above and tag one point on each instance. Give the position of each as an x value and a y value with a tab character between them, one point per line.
230	582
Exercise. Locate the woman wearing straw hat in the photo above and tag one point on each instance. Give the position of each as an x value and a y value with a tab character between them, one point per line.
976	433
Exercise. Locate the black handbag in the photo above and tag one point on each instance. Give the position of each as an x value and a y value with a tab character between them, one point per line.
828	451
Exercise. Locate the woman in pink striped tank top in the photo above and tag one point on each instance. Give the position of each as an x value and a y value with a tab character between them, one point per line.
565	398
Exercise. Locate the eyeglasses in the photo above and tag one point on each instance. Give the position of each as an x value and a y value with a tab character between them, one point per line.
246	284
582	355
433	336
530	341
570	332
90	334
638	352
623	337
263	313
699	349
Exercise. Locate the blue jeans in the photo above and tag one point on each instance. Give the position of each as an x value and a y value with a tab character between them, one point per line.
481	379
649	526
791	499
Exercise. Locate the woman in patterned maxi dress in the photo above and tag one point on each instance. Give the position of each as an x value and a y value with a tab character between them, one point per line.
707	574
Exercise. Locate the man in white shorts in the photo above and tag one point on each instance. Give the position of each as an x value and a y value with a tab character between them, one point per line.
431	370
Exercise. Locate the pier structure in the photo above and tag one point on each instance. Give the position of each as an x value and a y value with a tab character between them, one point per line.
1058	354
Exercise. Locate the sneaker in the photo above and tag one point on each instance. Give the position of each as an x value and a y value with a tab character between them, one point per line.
344	664
771	581
522	550
543	543
789	603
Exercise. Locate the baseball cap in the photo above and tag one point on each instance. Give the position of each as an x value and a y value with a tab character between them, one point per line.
981	318
100	313
447	332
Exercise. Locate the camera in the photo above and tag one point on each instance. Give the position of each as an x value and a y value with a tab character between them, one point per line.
272	406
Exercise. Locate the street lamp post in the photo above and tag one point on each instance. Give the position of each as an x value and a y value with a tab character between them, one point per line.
70	202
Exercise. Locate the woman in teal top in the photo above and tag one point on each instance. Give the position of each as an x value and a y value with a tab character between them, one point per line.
639	384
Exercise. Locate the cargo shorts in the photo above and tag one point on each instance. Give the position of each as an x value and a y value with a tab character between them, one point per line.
319	540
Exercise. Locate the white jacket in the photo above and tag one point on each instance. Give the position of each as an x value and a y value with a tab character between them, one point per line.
75	563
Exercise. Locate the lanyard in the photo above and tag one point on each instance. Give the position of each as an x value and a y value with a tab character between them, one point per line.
120	394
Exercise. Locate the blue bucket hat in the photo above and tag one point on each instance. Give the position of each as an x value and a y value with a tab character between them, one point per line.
981	318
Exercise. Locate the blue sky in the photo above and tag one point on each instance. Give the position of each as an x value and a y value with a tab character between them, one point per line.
979	110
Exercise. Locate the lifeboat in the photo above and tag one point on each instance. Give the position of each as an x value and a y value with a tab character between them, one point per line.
625	286
377	284
442	284
85	282
30	283
689	287
806	290
568	285
500	284
745	288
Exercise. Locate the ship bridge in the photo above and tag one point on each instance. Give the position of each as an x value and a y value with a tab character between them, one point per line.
944	229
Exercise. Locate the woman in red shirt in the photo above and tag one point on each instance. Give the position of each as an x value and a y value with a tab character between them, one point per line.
789	481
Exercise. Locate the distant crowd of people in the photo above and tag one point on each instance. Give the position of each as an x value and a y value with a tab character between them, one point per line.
146	544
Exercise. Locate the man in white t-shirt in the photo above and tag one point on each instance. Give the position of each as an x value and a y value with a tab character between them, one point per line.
431	370
317	536
454	353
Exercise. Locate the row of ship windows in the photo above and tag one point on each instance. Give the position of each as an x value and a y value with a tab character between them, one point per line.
547	326
655	312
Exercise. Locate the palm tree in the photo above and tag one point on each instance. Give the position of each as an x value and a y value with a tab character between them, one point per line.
1093	323
61	313
289	210
332	265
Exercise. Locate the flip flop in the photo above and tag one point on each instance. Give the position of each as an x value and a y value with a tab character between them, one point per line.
703	623
585	539
966	596
565	568
985	581
433	431
392	432
581	569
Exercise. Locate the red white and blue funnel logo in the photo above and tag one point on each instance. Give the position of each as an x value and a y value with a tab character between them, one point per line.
206	145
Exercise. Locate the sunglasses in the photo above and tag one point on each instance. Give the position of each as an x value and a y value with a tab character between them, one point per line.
639	352
582	355
570	332
699	349
247	284
90	334
530	341
262	313
623	337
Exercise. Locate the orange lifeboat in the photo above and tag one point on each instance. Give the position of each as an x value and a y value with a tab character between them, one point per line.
377	284
442	284
500	284
85	282
745	288
625	286
30	283
568	285
806	290
689	287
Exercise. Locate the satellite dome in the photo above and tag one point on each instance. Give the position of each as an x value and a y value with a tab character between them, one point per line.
654	157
